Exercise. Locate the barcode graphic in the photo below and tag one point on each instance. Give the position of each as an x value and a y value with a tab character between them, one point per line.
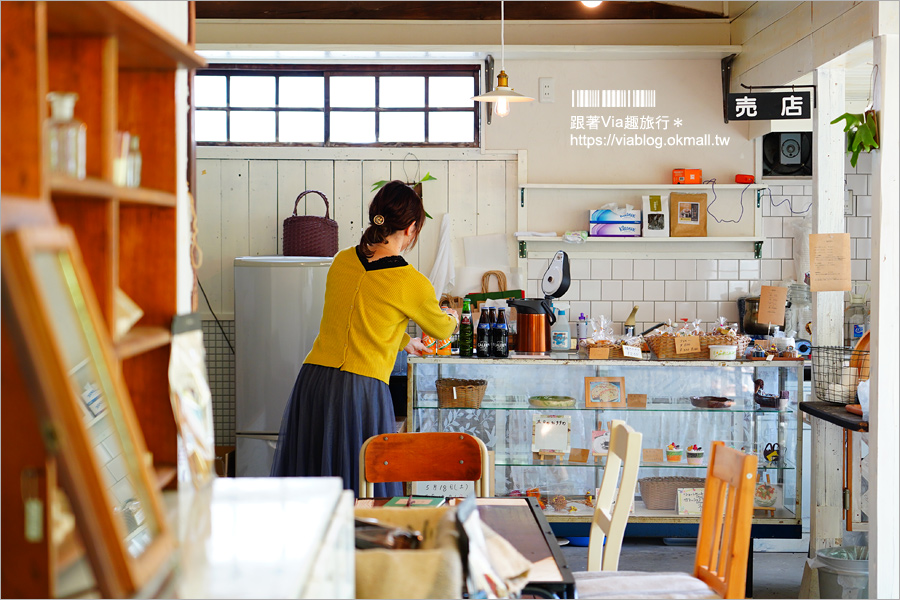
614	98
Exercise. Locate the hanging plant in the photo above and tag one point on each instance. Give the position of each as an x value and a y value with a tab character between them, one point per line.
415	185
862	133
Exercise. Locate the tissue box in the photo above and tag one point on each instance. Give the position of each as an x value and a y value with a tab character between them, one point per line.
615	230
622	215
656	216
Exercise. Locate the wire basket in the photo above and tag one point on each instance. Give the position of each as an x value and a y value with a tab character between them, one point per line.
661	493
836	372
460	393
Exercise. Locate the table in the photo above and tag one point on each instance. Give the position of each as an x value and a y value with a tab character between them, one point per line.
522	523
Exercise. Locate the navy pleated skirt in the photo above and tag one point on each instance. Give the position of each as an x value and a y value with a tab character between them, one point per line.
328	417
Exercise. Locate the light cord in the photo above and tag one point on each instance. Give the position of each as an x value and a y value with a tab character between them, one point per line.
502	42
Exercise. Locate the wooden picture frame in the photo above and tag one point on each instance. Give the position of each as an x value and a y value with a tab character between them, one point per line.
604	392
77	389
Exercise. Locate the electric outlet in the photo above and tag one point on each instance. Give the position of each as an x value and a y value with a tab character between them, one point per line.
545	85
848	202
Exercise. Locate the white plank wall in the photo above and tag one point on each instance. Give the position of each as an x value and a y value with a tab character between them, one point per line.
242	204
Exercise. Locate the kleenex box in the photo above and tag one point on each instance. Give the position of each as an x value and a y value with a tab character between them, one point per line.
616	215
615	230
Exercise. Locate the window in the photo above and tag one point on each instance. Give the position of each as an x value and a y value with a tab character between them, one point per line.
340	106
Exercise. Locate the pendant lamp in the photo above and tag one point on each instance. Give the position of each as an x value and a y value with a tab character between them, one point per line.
502	95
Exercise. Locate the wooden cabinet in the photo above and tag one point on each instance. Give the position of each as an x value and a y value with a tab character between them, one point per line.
123	68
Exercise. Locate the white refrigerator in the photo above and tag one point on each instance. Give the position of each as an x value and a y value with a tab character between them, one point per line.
278	304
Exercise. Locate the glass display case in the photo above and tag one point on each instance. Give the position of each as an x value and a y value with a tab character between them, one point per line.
544	420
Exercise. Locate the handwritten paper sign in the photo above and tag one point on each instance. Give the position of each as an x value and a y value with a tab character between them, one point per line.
690	501
550	434
450	489
632	352
771	305
653	455
598	353
636	400
829	262
687	344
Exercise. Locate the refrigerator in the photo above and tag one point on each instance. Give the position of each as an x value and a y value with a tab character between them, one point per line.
278	304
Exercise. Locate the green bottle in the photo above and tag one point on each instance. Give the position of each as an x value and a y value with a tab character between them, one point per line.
465	329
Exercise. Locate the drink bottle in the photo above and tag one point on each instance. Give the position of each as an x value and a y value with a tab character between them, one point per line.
465	329
501	335
483	344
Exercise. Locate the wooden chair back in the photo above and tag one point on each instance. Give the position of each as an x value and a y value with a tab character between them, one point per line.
431	456
615	498
724	537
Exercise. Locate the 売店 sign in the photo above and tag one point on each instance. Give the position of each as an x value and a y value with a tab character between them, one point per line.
769	106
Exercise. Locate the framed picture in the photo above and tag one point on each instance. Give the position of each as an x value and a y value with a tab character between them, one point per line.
604	392
76	386
600	442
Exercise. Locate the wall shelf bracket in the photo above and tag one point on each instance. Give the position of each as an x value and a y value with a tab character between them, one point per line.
757	250
523	249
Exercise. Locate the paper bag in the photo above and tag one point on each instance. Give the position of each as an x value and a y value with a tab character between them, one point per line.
687	215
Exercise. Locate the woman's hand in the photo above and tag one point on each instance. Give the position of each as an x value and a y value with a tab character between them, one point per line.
415	347
452	312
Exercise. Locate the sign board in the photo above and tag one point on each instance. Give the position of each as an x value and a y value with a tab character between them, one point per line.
636	400
598	353
551	434
769	106
687	344
653	455
771	305
829	262
632	352
690	501
600	442
449	489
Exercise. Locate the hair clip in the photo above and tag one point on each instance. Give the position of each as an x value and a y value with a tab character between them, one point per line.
378	220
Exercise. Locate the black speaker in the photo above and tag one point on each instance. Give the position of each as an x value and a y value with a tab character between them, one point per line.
787	154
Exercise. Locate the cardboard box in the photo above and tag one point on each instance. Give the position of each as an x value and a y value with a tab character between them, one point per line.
615	230
622	215
691	176
656	216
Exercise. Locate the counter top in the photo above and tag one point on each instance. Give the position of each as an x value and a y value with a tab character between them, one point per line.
557	358
836	414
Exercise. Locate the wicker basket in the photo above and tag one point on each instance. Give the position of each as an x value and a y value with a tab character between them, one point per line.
460	393
306	235
615	350
660	493
663	346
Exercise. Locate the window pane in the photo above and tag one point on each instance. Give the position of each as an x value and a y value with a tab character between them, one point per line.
401	127
402	92
209	91
301	92
353	92
353	127
451	127
451	91
306	127
252	126
210	126
252	91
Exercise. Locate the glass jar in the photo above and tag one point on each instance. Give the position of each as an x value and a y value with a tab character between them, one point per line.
798	317
66	136
133	163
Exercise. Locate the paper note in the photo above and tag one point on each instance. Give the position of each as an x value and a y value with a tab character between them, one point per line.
829	262
771	305
632	352
690	501
598	353
454	489
551	434
636	400
653	455
687	344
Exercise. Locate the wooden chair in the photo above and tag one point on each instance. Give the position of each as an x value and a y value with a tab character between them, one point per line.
612	507
408	457
720	563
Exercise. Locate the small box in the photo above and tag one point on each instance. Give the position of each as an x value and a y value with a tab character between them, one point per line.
621	215
615	230
656	215
744	179
687	176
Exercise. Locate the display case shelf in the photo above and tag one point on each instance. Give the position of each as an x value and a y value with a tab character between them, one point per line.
99	189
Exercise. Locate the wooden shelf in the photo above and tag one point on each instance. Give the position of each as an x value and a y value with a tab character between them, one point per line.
165	474
688	188
142	43
641	247
140	340
91	187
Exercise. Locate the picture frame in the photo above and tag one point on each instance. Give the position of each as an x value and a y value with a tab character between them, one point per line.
604	392
76	386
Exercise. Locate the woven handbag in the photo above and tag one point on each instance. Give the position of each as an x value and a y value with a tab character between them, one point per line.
307	235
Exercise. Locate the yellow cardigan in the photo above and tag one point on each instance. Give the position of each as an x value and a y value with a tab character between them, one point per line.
367	308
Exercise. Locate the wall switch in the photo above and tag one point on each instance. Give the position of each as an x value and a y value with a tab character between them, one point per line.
545	85
848	202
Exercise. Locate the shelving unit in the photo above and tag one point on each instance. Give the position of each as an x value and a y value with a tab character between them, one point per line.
504	419
123	68
564	207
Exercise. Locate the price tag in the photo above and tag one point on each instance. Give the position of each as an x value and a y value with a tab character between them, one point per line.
598	353
690	501
687	344
456	489
632	352
653	455
770	357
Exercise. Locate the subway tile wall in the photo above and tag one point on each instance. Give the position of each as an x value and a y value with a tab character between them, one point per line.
220	367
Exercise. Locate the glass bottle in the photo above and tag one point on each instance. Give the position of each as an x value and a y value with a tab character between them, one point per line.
465	329
483	344
855	318
133	163
66	136
501	334
798	317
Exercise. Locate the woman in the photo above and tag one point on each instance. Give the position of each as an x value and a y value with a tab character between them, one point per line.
341	396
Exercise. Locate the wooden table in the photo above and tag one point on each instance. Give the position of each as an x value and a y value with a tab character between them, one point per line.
522	523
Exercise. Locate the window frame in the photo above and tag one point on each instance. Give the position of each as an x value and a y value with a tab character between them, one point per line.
327	71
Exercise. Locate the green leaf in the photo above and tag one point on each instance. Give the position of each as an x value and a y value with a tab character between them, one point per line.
428	177
427	215
378	184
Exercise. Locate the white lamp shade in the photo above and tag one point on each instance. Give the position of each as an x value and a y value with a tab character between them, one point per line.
505	93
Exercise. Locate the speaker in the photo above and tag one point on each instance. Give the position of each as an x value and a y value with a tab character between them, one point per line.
787	154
